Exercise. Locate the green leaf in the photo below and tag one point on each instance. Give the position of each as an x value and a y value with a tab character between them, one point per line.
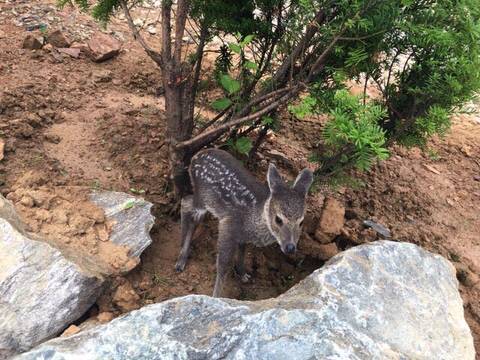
243	145
221	104
248	39
267	120
229	84
250	65
129	204
235	48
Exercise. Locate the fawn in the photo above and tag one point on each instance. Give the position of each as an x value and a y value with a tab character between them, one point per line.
247	210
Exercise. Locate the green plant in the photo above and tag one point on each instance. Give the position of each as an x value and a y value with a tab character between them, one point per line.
352	137
422	55
433	154
242	145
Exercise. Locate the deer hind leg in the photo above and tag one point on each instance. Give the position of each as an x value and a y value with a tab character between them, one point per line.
191	216
226	250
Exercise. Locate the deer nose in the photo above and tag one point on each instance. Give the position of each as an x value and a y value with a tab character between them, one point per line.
290	248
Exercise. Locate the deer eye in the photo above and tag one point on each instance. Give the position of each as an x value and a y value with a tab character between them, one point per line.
278	221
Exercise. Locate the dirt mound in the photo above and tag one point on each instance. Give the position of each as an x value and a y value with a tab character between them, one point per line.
65	218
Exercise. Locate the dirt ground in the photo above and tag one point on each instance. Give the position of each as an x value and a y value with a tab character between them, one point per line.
73	122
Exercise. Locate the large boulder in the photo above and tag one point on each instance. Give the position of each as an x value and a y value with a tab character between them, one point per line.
384	300
42	288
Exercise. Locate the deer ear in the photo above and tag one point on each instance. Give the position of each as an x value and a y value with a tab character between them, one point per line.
274	179
303	181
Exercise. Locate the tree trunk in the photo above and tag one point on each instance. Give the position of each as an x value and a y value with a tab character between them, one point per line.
179	126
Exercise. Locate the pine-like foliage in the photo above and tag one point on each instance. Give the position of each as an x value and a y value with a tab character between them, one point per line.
422	55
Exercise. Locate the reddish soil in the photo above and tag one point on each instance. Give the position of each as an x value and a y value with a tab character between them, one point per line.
74	122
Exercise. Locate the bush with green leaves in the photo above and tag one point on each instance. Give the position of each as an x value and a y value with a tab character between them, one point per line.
423	56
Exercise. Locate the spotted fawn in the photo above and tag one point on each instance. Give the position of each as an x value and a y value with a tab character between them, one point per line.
248	210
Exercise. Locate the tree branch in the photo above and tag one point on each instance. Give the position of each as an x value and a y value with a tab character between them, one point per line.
282	73
213	134
154	55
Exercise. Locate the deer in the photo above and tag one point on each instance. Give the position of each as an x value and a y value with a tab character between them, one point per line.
248	210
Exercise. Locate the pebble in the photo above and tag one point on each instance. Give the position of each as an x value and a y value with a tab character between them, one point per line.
152	30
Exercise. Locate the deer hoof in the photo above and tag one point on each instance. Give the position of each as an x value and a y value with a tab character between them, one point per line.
245	278
180	266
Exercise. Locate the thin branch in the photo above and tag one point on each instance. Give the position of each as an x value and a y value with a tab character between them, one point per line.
367	75
320	62
216	132
198	65
311	30
214	120
390	68
362	37
154	55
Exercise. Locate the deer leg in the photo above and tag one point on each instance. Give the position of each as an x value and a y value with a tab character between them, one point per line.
240	265
226	250
190	218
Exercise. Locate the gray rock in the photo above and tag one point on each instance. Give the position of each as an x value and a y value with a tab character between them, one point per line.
379	228
384	300
133	220
42	290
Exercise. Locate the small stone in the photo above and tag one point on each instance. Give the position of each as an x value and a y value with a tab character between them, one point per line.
27	201
138	22
152	30
465	275
58	39
188	40
32	43
327	251
72	52
81	46
379	228
102	76
71	330
431	169
105	317
331	221
146	282
126	298
55	139
103	47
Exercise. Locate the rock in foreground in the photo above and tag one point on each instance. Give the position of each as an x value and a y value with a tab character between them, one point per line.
384	300
42	289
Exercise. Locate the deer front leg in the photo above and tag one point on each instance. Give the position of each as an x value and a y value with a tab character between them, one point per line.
190	217
240	265
226	250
